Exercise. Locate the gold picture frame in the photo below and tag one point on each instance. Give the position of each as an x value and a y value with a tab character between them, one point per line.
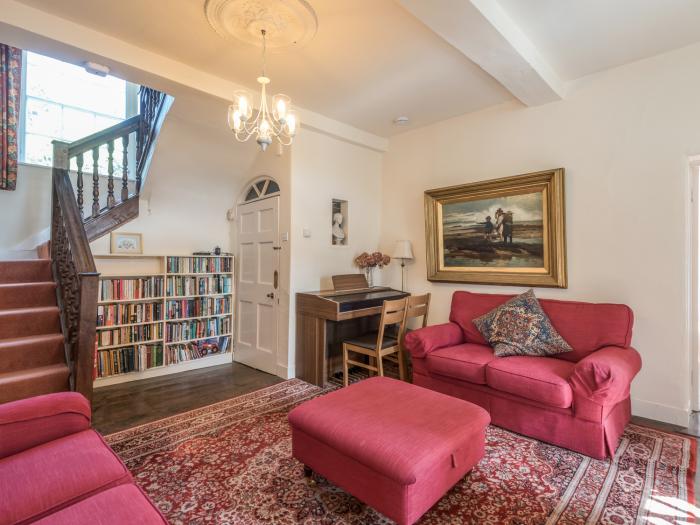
507	231
125	243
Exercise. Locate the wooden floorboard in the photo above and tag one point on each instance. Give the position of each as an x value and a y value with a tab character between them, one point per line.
126	405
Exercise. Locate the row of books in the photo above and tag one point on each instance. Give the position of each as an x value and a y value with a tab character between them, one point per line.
197	328
130	334
199	264
128	313
197	349
128	359
131	288
178	309
198	285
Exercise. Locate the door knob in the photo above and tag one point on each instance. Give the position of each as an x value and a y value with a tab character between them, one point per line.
271	295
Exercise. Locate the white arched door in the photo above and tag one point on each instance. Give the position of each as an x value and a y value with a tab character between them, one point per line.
258	280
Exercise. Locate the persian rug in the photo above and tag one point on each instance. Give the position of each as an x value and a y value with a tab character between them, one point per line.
231	463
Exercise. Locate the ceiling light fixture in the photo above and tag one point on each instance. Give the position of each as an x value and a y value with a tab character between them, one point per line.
401	121
280	123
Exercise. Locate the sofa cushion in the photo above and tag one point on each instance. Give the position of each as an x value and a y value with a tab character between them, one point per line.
466	362
541	379
116	506
520	327
585	326
51	476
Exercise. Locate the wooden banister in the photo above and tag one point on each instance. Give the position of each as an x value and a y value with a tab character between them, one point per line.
103	137
75	274
74	222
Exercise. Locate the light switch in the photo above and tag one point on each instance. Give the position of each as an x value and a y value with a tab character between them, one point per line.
285	236
306	232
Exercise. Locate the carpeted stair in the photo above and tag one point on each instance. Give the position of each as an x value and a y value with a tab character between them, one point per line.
32	357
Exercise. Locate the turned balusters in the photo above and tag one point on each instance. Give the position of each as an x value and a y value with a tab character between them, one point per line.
125	167
110	174
95	182
79	182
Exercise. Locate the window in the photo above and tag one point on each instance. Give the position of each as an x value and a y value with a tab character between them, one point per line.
62	101
261	189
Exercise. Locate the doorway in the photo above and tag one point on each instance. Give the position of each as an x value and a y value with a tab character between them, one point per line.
694	302
258	277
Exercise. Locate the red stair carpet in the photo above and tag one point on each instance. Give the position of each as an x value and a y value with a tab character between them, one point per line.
32	357
231	463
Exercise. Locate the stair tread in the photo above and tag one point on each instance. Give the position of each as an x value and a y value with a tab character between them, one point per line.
32	373
25	270
29	310
30	283
29	339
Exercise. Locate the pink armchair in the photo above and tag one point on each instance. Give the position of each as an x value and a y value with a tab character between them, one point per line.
578	400
55	469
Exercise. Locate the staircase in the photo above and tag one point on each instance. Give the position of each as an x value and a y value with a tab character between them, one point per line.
32	349
48	307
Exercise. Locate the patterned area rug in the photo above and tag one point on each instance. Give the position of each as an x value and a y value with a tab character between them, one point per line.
230	463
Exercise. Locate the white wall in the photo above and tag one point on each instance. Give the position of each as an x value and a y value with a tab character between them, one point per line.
26	211
194	174
324	168
624	137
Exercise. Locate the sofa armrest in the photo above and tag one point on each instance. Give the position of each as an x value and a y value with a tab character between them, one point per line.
30	422
425	340
602	379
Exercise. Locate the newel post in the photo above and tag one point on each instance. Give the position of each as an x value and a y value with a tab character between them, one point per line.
84	361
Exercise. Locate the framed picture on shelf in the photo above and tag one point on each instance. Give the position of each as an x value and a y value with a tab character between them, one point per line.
507	231
127	243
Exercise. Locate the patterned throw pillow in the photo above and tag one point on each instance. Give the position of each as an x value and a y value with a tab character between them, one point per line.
520	327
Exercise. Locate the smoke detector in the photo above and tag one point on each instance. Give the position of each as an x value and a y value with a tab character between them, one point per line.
401	121
96	69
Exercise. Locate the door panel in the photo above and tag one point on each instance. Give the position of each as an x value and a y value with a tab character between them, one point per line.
258	303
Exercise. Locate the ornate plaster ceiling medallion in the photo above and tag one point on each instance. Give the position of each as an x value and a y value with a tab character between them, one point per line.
286	22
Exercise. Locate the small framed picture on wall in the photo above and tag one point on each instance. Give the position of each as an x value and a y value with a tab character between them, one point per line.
122	242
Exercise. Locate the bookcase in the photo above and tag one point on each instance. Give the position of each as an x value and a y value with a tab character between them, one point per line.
163	314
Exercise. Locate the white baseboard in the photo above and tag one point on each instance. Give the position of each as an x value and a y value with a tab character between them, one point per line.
659	412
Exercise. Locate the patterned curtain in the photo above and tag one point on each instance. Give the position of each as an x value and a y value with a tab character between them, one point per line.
10	80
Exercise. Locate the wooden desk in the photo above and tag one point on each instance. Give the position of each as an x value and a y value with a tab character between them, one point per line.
326	318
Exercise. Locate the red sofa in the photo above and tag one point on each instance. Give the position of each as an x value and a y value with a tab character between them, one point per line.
579	400
55	470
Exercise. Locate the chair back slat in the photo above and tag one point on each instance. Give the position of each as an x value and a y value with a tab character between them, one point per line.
393	312
417	306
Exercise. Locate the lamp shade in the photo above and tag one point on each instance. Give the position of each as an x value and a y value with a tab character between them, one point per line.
403	250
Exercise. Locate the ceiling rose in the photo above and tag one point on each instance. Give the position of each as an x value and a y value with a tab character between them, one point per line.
286	22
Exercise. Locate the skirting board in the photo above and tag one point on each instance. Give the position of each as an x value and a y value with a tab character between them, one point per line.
202	362
659	412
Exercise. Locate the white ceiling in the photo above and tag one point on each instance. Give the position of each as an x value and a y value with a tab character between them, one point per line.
372	60
369	62
579	37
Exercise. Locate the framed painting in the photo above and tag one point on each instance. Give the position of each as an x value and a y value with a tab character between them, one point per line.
507	231
127	243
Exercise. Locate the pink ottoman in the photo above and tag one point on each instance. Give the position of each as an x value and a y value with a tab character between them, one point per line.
395	446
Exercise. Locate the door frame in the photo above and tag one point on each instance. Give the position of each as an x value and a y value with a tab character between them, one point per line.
693	289
280	370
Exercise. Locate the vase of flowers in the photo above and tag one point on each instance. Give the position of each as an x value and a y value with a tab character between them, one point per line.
367	262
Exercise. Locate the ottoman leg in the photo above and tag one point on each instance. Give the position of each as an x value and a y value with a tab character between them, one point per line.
308	474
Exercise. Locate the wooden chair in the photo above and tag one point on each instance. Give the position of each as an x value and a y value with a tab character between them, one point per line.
377	345
416	306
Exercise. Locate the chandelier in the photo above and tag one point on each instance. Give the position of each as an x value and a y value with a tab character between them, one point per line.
280	123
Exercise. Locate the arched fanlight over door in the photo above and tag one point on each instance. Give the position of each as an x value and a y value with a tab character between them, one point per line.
261	189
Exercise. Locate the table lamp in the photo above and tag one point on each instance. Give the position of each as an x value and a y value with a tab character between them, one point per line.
403	251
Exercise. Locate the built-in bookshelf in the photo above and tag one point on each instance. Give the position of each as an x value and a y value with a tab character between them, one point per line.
159	315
